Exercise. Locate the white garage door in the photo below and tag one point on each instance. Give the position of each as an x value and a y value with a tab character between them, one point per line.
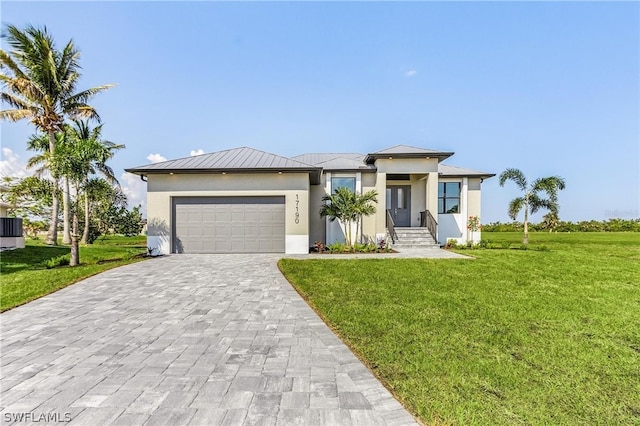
228	225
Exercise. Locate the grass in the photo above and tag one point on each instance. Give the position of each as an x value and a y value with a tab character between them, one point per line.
511	337
25	277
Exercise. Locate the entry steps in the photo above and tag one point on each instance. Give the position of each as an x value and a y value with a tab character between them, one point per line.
413	238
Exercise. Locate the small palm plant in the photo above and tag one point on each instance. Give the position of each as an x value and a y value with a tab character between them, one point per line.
349	208
532	201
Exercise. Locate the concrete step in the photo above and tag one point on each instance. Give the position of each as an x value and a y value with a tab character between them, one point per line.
413	238
401	247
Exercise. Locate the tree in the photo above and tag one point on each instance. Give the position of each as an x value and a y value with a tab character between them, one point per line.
76	159
99	152
348	208
39	82
532	201
99	197
30	198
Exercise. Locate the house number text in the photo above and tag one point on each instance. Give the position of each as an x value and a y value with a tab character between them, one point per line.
297	215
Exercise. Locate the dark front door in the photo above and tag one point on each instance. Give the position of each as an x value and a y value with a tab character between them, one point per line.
399	204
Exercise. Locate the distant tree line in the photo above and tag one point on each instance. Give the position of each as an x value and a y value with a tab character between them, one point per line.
609	225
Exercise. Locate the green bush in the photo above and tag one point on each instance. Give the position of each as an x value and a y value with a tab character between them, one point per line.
57	261
609	225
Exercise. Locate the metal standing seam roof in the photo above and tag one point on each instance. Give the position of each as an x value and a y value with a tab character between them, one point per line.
345	164
448	170
230	159
250	159
319	157
233	160
407	151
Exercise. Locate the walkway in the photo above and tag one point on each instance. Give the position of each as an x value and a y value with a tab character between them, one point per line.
188	339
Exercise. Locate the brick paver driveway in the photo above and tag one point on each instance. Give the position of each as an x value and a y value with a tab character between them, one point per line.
189	339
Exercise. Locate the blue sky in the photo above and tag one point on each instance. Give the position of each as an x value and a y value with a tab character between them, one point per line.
551	88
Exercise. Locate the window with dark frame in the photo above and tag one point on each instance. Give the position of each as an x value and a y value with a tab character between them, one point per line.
448	197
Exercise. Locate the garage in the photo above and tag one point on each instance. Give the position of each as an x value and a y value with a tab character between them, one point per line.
228	224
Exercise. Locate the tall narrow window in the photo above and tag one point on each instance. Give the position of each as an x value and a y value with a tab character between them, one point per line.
448	197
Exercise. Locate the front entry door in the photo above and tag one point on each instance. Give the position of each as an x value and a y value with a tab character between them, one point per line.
399	204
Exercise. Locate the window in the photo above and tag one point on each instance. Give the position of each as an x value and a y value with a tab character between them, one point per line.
448	197
343	182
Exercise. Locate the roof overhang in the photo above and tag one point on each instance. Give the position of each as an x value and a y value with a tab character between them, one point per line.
371	158
468	175
314	173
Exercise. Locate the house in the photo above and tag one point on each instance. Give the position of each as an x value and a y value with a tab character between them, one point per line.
244	200
11	235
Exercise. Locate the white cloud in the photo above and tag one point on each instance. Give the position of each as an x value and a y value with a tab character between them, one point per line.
410	73
156	158
135	189
196	152
11	166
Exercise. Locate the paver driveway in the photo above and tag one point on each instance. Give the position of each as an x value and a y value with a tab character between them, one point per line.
188	339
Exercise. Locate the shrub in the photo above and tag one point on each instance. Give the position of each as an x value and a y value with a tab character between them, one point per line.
57	261
451	244
337	248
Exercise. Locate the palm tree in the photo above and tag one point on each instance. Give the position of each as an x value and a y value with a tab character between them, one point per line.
97	153
348	208
40	84
532	201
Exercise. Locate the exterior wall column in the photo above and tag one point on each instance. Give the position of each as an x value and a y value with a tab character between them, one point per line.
381	216
432	197
464	208
432	194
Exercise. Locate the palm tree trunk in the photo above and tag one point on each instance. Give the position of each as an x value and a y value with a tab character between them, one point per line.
52	234
66	232
75	252
525	239
85	232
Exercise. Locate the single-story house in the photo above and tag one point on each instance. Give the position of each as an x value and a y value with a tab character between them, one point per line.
244	200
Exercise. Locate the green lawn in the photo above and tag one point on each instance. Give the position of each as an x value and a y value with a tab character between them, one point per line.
24	276
511	337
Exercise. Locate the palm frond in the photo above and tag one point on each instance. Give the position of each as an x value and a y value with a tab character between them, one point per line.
514	175
515	206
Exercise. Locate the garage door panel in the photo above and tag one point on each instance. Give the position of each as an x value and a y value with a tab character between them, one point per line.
229	224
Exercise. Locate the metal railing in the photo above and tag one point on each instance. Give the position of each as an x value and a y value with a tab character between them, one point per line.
429	222
391	227
10	227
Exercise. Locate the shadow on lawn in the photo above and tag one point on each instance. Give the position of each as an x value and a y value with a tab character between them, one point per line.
29	258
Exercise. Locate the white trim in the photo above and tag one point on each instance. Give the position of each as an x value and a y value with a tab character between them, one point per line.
296	244
158	245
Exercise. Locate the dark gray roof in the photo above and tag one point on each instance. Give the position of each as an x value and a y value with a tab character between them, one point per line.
454	171
406	151
231	160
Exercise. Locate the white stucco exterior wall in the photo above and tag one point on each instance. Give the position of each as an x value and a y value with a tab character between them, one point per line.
161	188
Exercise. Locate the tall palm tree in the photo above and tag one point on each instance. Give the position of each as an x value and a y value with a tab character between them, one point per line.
39	83
532	201
97	153
348	208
